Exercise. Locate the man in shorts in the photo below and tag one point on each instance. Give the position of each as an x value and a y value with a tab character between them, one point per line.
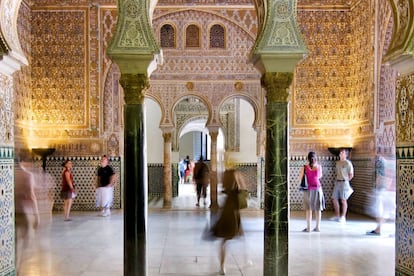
342	189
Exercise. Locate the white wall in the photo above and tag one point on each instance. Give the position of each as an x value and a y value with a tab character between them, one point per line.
247	153
153	133
186	145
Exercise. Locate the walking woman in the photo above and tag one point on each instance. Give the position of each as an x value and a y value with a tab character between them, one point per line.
68	189
313	199
229	225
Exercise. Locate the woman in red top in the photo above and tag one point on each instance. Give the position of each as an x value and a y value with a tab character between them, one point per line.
313	199
68	189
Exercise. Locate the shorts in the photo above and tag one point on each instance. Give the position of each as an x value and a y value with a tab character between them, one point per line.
342	190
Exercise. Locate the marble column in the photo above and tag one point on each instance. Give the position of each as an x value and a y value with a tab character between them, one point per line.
276	213
135	188
167	170
213	169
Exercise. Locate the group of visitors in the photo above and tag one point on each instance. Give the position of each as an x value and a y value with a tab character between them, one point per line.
313	197
314	200
104	188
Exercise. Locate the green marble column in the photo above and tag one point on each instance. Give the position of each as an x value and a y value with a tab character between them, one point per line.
135	193
276	227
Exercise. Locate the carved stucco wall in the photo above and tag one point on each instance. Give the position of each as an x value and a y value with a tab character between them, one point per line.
405	174
76	101
22	82
211	74
59	94
333	87
385	102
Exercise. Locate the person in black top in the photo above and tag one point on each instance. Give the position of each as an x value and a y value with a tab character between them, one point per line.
105	187
201	179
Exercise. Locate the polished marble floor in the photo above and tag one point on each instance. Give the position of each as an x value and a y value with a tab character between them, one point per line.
91	245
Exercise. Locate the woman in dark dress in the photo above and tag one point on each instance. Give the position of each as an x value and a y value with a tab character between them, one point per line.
229	225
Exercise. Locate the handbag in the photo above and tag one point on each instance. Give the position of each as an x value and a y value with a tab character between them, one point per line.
242	198
304	181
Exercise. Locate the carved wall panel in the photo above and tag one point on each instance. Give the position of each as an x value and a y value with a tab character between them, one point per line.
21	81
206	63
6	111
60	85
405	110
385	128
332	90
58	95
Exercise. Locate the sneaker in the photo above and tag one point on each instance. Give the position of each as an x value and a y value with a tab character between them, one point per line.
108	212
334	218
222	271
342	220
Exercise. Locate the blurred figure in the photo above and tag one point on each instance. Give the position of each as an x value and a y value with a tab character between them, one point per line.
181	170
187	171
202	179
313	199
26	208
68	192
228	224
105	187
342	189
383	206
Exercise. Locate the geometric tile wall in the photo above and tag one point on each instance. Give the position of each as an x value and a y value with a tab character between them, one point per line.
7	211
327	181
250	174
404	225
84	171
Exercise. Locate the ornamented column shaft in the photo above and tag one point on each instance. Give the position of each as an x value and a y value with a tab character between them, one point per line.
213	169
167	170
135	189
132	48
276	213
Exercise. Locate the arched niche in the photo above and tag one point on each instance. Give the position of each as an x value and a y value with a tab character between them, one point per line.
238	120
190	116
153	132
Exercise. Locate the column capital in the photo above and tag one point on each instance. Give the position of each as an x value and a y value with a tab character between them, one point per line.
167	136
276	85
213	131
134	86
